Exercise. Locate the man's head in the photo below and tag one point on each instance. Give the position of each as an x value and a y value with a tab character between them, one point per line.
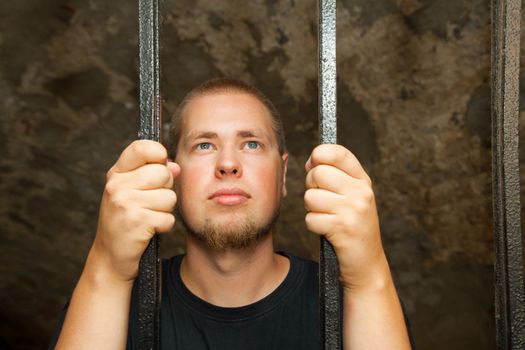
225	85
228	140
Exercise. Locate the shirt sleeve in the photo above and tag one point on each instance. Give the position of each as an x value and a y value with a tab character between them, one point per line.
58	327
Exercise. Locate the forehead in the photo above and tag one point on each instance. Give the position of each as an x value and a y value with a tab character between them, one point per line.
237	110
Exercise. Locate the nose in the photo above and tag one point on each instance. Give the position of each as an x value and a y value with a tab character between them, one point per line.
228	164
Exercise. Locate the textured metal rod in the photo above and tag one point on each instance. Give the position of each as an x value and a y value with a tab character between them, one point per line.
329	288
150	129
508	269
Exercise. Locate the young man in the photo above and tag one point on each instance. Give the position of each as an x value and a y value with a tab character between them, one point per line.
231	290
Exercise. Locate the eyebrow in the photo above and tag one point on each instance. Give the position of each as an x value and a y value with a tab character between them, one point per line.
247	133
203	135
213	135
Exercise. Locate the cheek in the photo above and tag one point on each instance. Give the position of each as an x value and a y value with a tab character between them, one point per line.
268	182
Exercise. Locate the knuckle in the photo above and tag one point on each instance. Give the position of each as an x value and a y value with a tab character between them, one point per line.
316	176
320	173
156	174
344	221
342	224
308	196
361	205
351	224
135	217
171	220
167	173
169	199
340	153
309	179
317	152
162	173
111	188
110	173
118	200
172	197
148	149
323	171
163	152
138	147
166	224
368	195
308	220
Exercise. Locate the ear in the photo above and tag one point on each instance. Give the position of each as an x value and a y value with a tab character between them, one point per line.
284	165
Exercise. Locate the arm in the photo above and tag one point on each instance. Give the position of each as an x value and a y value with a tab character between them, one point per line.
137	202
97	317
373	318
341	206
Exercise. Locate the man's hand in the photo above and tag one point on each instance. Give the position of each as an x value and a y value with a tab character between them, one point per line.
138	202
341	206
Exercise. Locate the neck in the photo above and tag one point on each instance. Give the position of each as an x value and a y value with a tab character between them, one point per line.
233	278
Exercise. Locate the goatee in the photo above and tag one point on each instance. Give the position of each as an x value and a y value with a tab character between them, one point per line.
238	234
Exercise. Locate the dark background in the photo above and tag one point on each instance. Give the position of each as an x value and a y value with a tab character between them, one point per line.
414	105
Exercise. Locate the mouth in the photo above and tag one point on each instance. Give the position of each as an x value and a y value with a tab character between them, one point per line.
229	196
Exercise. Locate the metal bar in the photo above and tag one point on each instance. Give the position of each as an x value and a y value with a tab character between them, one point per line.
329	287
508	269
150	129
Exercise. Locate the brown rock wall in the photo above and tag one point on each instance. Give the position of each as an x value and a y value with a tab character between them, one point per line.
414	101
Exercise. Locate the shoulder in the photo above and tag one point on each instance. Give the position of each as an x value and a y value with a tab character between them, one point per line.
309	265
305	270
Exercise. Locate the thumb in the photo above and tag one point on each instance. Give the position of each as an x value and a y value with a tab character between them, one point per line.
174	168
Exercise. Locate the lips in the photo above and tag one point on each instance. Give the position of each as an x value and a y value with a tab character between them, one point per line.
229	196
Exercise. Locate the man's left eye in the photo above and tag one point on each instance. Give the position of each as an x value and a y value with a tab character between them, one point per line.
252	145
204	146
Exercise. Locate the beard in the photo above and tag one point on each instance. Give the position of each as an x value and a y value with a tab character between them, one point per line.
241	233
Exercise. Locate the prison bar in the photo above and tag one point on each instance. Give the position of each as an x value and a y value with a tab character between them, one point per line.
508	269
150	128
150	124
329	288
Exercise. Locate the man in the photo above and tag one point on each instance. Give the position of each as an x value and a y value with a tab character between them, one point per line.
231	290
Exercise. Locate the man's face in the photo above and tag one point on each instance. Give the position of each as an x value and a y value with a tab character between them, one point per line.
232	175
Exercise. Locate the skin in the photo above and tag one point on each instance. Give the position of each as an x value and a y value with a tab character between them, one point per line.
227	140
341	206
216	152
138	200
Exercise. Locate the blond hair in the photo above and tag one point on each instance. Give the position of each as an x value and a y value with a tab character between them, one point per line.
219	85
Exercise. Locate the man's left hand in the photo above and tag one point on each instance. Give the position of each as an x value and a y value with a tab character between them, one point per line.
341	206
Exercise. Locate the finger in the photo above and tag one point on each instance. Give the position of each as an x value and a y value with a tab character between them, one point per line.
138	153
162	200
329	178
319	223
147	177
163	222
338	156
321	201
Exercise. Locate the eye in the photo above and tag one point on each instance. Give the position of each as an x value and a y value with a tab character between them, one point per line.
204	146
252	145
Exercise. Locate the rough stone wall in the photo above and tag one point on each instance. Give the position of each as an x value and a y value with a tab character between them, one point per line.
414	106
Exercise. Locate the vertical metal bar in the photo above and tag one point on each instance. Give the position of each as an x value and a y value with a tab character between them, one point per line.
149	128
329	287
508	269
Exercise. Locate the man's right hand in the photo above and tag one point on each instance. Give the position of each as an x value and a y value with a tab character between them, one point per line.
138	201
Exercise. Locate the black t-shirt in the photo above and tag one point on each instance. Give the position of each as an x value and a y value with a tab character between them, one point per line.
285	319
288	318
